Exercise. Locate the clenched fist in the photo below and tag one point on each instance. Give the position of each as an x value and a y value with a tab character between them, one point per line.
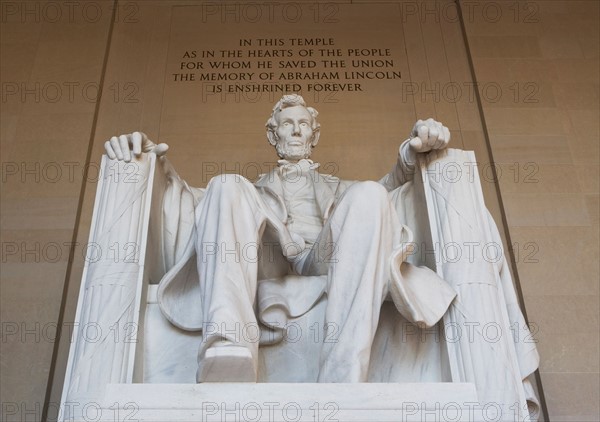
429	134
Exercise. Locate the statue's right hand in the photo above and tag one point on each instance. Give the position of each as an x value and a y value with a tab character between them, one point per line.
123	147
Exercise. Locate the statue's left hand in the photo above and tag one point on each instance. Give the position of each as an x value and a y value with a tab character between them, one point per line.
429	134
425	136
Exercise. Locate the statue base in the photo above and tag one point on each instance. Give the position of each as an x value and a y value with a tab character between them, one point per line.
269	402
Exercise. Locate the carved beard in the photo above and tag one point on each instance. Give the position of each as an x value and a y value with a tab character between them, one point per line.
286	153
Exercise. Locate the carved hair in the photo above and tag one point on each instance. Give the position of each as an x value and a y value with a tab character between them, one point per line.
291	100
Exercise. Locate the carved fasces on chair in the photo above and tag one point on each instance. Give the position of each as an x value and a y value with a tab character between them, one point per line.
107	323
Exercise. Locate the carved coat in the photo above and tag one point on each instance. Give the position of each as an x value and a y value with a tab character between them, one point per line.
420	296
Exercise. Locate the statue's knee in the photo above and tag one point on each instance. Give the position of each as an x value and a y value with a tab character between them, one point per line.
368	195
228	184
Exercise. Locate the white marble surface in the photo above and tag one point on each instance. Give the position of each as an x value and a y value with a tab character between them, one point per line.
290	402
367	315
343	237
105	335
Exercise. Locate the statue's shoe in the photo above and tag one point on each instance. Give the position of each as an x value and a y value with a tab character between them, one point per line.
226	364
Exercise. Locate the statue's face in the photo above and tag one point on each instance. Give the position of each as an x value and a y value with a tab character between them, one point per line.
294	133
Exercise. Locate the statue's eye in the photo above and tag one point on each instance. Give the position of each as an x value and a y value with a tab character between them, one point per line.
303	124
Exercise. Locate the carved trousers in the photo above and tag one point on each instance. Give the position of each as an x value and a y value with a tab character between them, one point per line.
353	250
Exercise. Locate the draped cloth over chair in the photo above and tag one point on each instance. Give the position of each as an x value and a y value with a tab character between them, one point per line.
488	341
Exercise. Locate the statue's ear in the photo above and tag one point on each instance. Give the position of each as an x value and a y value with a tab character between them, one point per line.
315	139
272	137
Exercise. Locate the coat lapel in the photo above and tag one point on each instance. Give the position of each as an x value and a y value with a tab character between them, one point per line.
270	189
325	187
325	192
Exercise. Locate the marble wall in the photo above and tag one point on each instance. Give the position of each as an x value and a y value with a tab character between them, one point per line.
536	64
52	61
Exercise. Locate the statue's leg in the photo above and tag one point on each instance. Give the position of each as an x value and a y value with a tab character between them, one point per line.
354	249
230	221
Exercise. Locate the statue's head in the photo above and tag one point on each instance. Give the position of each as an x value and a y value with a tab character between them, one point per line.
292	128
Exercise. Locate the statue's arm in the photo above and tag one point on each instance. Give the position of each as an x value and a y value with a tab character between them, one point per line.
403	170
426	135
178	221
179	199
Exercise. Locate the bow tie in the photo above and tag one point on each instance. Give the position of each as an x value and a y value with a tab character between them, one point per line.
301	167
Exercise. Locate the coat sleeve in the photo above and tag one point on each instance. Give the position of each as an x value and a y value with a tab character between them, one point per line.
179	289
403	171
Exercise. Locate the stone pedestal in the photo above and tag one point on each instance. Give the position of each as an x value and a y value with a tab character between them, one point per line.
285	402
